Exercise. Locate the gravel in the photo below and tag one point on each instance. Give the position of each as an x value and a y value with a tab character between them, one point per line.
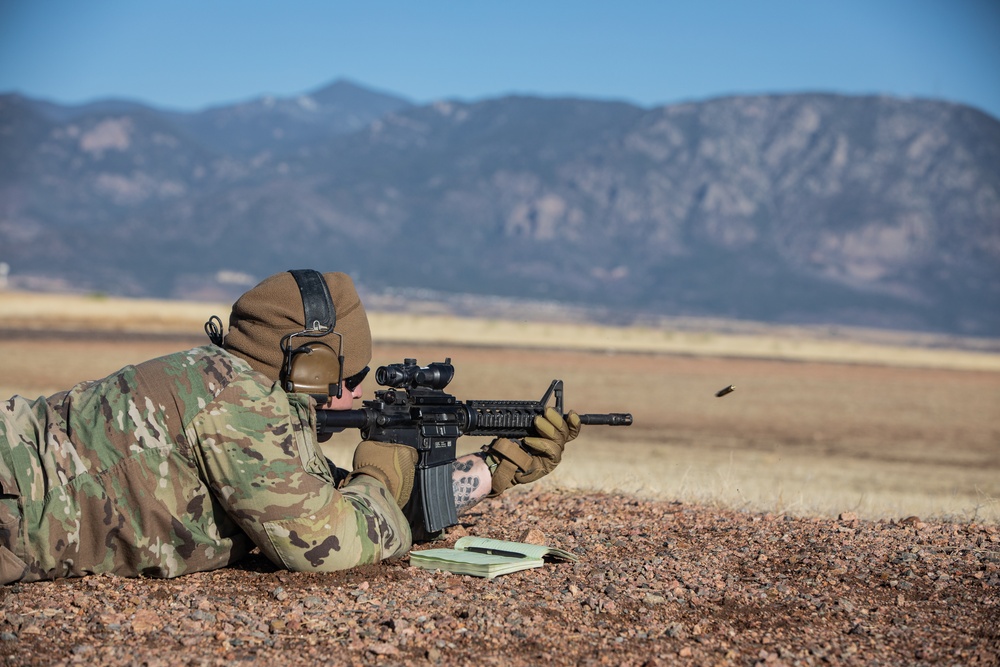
658	583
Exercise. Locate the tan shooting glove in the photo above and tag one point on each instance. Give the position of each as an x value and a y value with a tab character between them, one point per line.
538	456
393	465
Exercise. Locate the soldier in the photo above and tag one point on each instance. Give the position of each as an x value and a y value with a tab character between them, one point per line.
187	462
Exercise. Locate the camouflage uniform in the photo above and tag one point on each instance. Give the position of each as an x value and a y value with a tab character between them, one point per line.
179	464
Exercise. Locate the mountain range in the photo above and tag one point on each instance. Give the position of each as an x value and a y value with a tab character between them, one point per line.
806	208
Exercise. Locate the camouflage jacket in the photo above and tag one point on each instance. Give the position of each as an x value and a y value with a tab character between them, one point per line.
179	464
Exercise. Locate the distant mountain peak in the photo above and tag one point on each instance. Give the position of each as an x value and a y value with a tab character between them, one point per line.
345	91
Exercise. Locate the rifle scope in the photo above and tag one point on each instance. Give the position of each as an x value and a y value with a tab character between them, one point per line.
409	375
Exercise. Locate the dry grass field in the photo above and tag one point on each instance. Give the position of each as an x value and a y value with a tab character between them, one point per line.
815	427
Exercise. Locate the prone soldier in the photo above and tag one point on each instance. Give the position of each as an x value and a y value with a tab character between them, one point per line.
187	462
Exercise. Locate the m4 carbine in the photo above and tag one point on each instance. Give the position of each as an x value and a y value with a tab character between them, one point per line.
415	411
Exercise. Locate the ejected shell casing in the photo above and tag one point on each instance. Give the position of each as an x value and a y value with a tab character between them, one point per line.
728	390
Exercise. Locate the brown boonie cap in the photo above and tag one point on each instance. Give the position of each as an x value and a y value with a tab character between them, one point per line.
273	309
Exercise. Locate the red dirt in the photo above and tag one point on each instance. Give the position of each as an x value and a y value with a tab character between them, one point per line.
658	583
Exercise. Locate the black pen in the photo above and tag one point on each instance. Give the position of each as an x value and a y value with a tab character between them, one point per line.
495	552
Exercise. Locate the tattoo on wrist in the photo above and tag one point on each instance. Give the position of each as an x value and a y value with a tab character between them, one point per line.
464	489
471	482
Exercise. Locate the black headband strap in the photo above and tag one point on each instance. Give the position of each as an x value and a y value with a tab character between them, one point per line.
316	300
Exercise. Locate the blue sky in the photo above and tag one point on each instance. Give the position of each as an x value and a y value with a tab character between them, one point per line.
187	54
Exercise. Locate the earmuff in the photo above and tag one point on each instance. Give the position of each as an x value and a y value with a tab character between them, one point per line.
313	367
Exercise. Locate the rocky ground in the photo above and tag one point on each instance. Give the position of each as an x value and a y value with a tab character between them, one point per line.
658	583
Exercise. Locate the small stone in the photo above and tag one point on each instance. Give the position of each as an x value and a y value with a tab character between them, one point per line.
532	536
145	621
383	648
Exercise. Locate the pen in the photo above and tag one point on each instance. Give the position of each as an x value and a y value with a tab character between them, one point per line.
495	552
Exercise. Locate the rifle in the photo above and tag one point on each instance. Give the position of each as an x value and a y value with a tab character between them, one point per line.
414	411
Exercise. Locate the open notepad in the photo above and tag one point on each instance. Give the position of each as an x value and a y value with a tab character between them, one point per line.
483	557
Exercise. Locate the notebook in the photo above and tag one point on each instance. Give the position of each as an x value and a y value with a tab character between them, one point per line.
485	557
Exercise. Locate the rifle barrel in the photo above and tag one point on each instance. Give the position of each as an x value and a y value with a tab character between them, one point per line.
611	419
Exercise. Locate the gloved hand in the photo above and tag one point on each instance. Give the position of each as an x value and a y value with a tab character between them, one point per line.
393	465
538	456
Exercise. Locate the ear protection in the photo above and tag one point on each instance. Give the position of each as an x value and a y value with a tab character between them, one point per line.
313	367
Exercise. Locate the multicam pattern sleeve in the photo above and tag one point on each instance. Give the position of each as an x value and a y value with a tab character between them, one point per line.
258	454
104	478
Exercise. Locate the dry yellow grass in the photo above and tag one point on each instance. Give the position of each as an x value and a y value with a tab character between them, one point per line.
51	312
65	312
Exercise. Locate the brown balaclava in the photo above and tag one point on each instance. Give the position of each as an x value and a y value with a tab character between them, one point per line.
273	309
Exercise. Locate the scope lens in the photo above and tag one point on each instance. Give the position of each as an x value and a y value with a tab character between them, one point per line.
393	375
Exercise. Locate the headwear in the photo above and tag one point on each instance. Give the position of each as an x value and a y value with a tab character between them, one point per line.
273	309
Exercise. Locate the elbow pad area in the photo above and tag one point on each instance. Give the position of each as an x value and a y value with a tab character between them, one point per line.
358	530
